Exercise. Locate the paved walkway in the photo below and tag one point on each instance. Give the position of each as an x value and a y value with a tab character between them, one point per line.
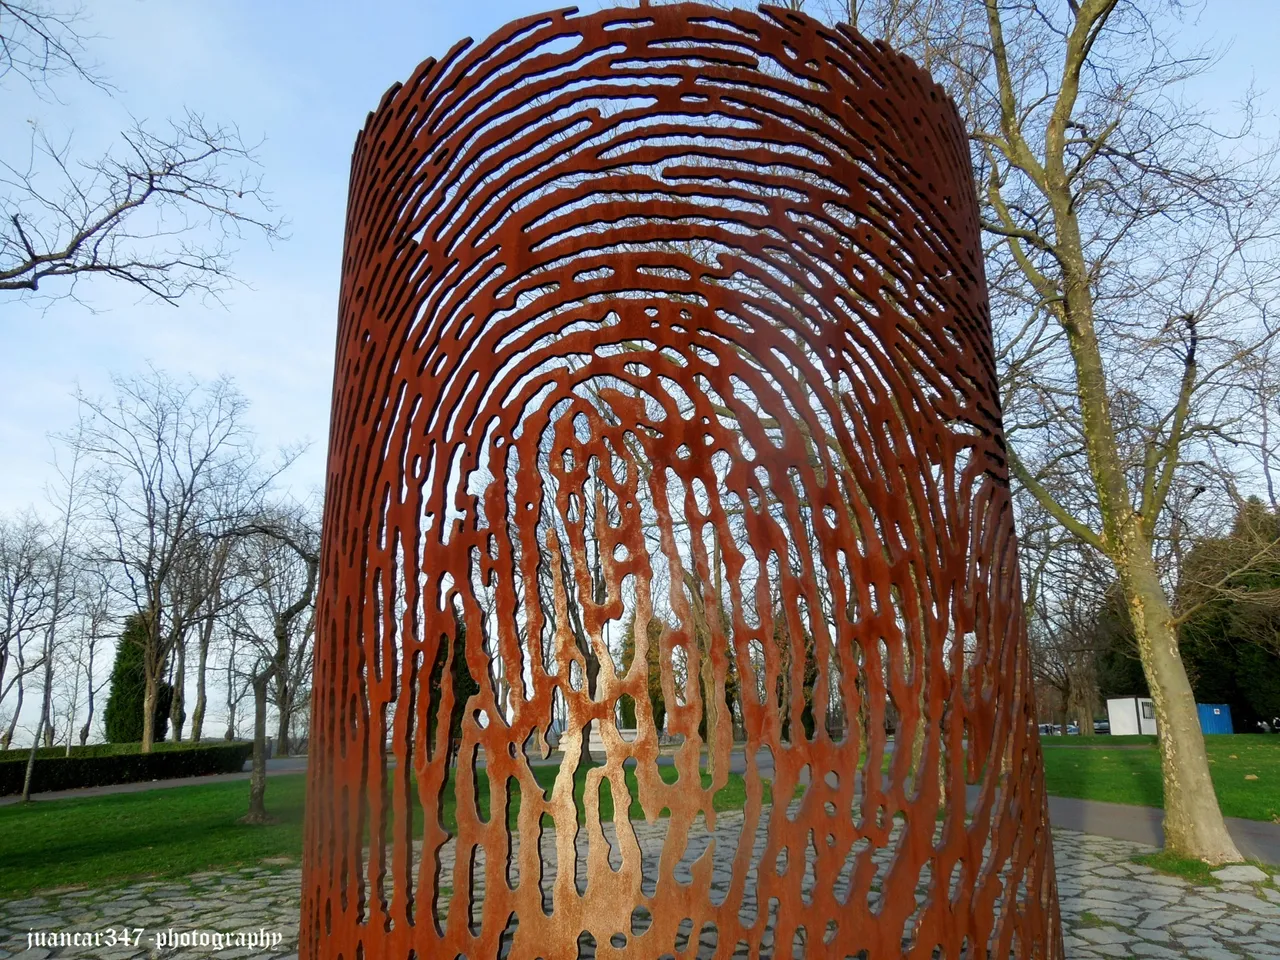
1111	907
1256	839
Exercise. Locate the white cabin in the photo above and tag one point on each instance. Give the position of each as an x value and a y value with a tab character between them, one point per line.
1131	715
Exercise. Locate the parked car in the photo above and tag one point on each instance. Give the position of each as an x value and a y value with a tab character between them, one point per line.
1101	726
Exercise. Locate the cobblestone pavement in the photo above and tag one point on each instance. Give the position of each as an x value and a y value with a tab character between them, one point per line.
1111	907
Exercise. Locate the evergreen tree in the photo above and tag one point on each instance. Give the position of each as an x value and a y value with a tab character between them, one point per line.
122	717
1118	668
164	700
1231	640
460	679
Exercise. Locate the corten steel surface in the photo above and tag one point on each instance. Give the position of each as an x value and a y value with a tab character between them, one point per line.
665	387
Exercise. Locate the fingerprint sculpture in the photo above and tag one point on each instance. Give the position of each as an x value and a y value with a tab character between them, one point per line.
666	461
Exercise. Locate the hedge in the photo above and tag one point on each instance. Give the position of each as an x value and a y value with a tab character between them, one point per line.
101	749
107	763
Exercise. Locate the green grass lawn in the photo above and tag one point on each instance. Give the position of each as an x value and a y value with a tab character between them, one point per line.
98	841
1132	775
165	833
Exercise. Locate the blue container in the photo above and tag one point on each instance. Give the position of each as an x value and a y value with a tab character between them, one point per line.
1215	718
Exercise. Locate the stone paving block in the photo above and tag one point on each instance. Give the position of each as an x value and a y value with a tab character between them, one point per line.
1243	872
1217	953
1162	917
1142	948
1104	935
1114	950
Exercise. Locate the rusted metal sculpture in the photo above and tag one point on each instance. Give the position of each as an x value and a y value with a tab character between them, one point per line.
665	400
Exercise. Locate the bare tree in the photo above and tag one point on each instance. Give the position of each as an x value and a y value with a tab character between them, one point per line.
1062	623
1261	410
1131	255
279	560
39	43
161	211
62	574
215	601
282	556
96	624
23	599
173	465
1130	238
236	688
196	595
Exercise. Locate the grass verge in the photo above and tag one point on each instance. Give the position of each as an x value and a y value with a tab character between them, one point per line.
98	841
1245	770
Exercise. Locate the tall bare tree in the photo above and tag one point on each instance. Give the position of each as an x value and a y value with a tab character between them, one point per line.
96	623
1130	238
23	600
196	595
282	557
280	560
62	572
172	466
1131	255
207	623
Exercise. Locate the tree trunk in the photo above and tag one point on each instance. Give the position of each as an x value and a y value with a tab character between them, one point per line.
711	709
258	779
74	707
281	672
45	704
282	733
149	711
202	666
1085	688
178	706
7	739
231	686
84	731
1193	821
31	767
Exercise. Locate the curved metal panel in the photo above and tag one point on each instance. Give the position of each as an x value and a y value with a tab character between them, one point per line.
666	432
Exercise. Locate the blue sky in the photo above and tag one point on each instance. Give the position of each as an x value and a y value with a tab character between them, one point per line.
302	76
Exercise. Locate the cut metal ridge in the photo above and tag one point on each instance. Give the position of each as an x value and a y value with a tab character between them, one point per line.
666	447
